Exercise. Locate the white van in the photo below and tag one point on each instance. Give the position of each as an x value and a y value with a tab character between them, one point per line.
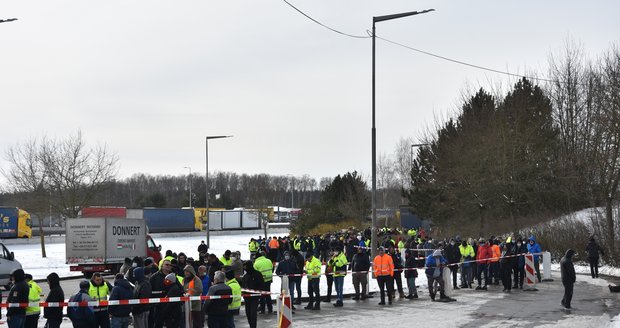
7	265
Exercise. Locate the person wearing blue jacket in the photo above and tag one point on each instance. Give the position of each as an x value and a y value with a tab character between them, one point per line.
120	313
434	266
534	248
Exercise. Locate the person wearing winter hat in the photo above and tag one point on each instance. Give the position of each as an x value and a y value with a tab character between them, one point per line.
383	269
251	280
82	317
56	294
172	310
16	316
482	259
567	270
594	251
435	264
142	290
193	287
122	290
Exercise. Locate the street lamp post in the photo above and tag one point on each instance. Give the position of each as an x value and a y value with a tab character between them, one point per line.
376	19
416	145
190	184
207	183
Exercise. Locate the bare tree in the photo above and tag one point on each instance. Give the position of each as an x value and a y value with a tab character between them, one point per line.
63	174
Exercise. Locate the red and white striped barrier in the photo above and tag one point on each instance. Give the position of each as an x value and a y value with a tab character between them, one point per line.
249	293
530	279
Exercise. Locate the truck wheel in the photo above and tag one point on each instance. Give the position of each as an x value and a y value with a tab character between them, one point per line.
88	275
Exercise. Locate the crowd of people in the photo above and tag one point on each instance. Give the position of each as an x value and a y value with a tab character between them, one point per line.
483	262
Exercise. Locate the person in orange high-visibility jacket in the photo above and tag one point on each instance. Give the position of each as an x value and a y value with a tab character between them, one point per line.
383	268
496	253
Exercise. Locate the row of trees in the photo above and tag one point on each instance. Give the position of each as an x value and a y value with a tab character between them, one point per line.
504	162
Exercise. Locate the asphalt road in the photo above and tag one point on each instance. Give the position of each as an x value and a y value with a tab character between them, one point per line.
593	306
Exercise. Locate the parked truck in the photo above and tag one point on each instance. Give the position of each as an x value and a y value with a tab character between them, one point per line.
102	244
15	223
169	219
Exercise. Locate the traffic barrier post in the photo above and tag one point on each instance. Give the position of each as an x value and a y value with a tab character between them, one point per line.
187	308
285	310
530	274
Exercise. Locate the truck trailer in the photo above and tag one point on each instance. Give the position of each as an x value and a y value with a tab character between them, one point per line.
14	223
102	244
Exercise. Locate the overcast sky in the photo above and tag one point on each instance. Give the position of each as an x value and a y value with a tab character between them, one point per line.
151	79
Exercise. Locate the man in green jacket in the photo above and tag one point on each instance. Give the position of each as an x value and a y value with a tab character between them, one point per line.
313	273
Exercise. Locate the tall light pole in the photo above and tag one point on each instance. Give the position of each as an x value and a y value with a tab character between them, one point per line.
414	146
190	184
207	182
376	19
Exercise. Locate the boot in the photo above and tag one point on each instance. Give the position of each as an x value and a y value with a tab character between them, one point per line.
433	297
443	296
317	306
415	296
309	306
401	295
356	297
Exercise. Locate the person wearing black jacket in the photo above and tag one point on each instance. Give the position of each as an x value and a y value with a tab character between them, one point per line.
507	263
16	316
122	291
214	265
299	259
567	270
453	255
172	310
142	290
56	294
251	280
593	250
157	290
217	309
398	269
360	264
411	273
286	268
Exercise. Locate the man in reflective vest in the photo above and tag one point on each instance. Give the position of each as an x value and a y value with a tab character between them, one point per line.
253	248
99	290
34	296
265	267
383	268
339	262
313	271
233	308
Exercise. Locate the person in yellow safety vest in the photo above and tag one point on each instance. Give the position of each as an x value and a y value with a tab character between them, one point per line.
225	259
253	248
412	232
233	308
265	267
313	271
467	254
367	242
99	290
401	244
34	296
339	262
297	244
168	257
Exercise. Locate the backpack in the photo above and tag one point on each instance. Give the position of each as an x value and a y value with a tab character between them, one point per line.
79	313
